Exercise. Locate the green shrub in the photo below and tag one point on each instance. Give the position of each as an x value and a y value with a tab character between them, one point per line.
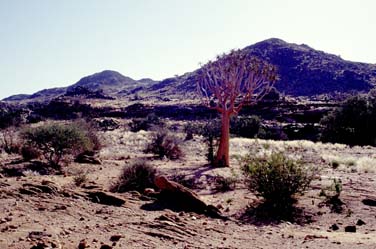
276	178
56	141
136	176
352	123
245	126
164	144
146	123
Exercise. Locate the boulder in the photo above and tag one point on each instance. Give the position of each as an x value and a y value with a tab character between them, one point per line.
183	199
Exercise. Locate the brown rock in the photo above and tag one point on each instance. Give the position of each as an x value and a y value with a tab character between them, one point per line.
183	199
334	227
350	229
369	202
104	246
116	237
83	244
360	222
179	194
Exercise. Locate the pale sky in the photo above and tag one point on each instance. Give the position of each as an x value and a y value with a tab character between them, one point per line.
54	43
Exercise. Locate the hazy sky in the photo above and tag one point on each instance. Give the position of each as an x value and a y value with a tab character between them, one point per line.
50	43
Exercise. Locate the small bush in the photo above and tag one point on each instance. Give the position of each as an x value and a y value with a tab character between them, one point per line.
224	184
332	194
164	144
335	164
276	178
136	176
81	178
9	141
56	141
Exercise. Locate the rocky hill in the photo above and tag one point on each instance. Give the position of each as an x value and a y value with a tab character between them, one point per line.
303	71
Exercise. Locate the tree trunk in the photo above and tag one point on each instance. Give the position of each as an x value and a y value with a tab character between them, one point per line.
223	157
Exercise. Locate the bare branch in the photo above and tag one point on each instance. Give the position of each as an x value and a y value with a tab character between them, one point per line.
233	80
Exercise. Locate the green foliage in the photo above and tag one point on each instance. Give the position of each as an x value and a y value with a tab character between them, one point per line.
276	178
352	123
146	123
136	176
55	140
163	144
245	126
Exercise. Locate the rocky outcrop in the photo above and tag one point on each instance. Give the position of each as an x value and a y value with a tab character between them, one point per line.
183	198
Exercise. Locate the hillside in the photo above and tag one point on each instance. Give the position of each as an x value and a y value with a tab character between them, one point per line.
303	71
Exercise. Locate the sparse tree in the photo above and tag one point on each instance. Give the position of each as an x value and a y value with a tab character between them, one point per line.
230	82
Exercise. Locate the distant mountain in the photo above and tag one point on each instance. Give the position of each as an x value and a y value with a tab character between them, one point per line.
303	71
101	85
110	82
306	71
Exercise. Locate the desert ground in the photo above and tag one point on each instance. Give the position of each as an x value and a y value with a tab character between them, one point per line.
60	215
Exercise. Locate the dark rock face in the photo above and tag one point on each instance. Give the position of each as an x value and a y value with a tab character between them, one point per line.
306	71
303	71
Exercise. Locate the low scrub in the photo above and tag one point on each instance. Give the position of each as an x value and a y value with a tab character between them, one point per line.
163	144
277	179
137	176
56	141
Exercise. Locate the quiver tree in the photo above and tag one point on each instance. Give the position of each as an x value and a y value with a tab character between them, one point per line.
230	82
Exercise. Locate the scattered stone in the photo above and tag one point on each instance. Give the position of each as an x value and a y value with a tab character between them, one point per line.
38	235
40	245
360	222
350	229
116	237
314	236
334	227
83	244
104	246
369	202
